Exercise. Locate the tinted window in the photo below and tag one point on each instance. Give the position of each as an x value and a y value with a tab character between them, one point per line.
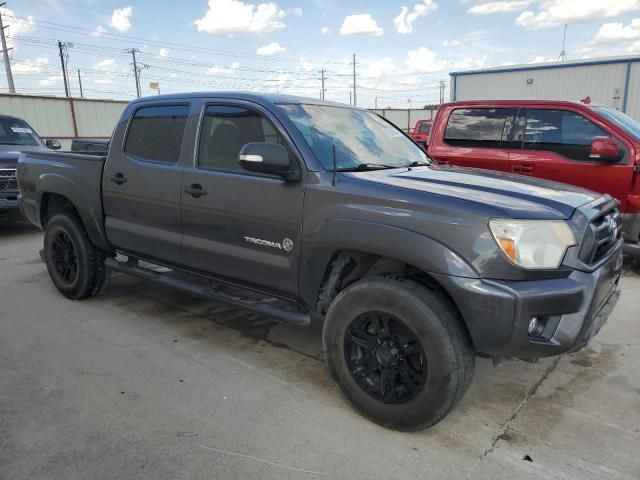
424	127
16	132
479	127
156	133
566	133
225	130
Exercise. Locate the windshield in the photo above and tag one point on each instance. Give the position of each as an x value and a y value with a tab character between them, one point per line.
16	132
360	138
628	124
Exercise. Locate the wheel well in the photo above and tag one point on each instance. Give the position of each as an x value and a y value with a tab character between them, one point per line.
348	266
51	204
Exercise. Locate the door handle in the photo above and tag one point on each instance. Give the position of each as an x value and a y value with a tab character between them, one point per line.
118	178
522	168
195	190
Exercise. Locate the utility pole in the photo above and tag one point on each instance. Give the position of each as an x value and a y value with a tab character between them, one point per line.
350	98
354	80
442	86
80	83
135	70
375	103
322	80
5	53
61	47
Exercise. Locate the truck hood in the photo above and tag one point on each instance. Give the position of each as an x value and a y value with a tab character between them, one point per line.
9	154
515	195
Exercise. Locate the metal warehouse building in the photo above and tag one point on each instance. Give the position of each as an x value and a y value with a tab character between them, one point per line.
613	81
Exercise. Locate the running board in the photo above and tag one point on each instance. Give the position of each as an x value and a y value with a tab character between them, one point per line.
132	268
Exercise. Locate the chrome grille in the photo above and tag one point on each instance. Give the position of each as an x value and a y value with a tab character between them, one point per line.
601	236
8	181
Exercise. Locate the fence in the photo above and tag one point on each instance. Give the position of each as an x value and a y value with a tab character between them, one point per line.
64	118
406	118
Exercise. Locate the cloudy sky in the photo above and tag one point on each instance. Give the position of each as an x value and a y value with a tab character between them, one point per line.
403	49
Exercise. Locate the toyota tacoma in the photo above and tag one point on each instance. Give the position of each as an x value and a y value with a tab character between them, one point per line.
329	213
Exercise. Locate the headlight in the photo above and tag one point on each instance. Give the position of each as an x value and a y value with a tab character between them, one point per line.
533	243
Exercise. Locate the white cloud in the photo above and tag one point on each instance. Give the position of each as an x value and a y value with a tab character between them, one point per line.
217	70
98	31
360	24
617	32
471	63
235	16
487	8
556	12
542	59
35	65
404	21
121	19
102	81
18	25
297	12
49	81
163	53
106	65
378	68
451	43
634	48
325	30
305	65
273	48
424	60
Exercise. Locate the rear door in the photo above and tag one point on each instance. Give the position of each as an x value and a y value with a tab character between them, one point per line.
238	224
555	144
141	183
477	137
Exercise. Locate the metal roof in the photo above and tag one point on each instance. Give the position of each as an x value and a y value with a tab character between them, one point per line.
541	66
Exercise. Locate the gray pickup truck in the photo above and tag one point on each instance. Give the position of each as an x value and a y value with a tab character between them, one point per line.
321	211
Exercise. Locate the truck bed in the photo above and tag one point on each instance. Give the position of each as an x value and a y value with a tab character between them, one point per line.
78	177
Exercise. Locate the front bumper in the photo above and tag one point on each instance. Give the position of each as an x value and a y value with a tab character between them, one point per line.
9	208
573	309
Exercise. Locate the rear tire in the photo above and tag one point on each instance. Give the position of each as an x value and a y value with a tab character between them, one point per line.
75	265
398	352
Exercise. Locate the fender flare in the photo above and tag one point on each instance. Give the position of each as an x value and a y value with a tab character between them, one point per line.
413	248
84	202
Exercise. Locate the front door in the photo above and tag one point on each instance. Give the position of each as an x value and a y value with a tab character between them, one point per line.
555	144
238	224
141	183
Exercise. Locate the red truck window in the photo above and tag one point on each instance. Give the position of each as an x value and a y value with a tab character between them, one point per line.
479	127
425	127
566	133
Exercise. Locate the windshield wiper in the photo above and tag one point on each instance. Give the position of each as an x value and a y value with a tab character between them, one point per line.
419	163
366	166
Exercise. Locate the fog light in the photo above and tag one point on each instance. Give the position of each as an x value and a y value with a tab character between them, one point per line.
533	325
536	326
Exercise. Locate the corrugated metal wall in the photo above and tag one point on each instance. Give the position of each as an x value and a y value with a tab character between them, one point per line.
604	83
54	117
405	118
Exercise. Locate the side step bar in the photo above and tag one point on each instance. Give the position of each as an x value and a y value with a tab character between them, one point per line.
131	268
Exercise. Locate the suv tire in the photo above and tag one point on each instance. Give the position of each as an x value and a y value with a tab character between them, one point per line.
75	265
398	333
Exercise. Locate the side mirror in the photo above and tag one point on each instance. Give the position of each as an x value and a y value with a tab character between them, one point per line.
269	158
53	144
604	149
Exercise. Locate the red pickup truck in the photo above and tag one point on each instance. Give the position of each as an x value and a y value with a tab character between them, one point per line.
592	146
421	132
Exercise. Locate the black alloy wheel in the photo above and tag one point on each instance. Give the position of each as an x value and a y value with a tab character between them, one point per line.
385	358
65	257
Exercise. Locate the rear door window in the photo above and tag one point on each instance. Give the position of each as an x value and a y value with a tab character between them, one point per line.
479	127
566	133
424	127
156	133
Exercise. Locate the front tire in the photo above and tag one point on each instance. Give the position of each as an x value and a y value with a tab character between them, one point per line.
398	352
75	265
